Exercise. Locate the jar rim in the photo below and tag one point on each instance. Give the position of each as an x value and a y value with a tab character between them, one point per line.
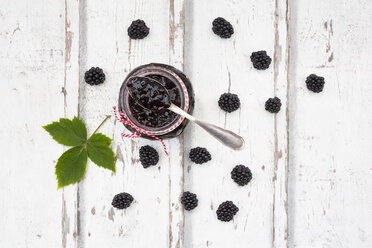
152	69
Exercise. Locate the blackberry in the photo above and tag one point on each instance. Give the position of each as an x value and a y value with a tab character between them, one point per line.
94	76
189	200
138	30
199	155
226	211
273	105
222	28
229	102
148	156
315	83
122	200
241	174
260	60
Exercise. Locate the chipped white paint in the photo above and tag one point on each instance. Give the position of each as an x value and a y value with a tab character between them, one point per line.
215	66
281	124
39	69
330	200
70	195
324	202
176	158
156	217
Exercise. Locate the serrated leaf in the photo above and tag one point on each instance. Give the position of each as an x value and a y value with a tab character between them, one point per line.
99	151
70	167
68	132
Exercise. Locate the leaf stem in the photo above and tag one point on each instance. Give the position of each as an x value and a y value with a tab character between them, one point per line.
107	116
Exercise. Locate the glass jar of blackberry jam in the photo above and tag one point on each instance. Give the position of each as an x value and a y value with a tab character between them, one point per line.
164	124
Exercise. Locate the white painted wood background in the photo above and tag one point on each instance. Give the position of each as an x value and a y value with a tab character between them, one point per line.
312	162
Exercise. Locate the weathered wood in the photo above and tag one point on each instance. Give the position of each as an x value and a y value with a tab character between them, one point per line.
216	66
70	214
331	132
176	146
324	139
156	217
39	71
281	124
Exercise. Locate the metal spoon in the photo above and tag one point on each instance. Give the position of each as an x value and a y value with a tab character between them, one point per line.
150	94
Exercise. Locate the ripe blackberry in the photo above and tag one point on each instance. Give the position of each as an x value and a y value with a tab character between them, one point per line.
241	174
199	155
148	156
94	76
189	200
222	28
273	105
260	60
138	30
315	83
226	211
122	200
229	102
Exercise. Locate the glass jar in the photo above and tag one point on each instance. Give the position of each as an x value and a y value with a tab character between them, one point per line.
164	124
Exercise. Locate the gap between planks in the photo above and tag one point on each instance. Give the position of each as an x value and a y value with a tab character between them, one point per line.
176	178
281	125
70	90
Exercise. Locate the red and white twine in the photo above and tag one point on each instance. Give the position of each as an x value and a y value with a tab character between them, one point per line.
123	119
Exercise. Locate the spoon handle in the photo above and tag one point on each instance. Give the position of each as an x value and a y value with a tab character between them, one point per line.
226	137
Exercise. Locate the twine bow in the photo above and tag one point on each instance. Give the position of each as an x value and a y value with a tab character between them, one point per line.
123	119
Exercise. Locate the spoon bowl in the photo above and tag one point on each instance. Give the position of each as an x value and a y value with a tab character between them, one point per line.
151	95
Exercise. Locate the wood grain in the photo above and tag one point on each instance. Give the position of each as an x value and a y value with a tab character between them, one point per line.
281	124
216	66
311	162
156	217
330	159
176	158
39	72
70	215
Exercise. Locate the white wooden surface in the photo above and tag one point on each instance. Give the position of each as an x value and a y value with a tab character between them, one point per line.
311	163
330	138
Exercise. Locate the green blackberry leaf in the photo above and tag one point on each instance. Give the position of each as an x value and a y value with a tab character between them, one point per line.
70	167
68	132
99	151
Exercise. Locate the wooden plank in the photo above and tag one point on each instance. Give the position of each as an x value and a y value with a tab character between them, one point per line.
216	66
281	124
40	80
155	218
330	161
70	218
176	161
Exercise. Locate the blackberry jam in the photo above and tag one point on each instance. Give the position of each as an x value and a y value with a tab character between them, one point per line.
149	93
164	124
